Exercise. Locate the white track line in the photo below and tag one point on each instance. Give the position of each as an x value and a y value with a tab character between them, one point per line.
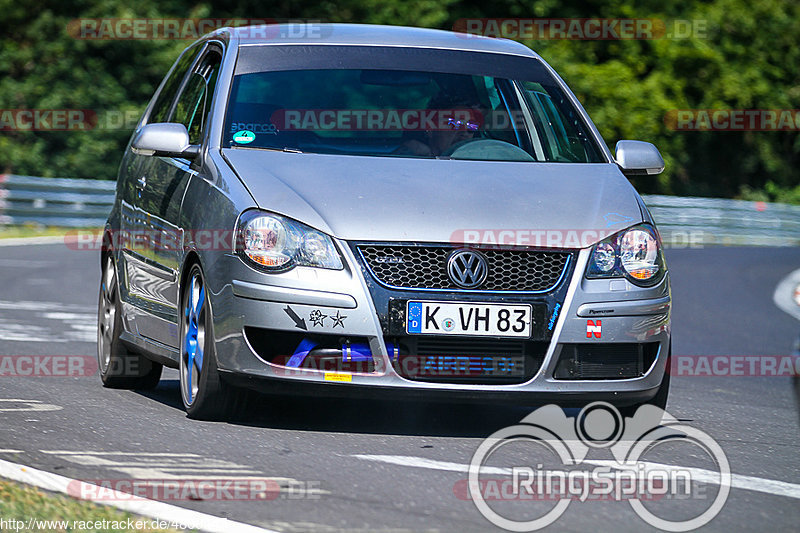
25	241
738	481
430	464
137	454
127	502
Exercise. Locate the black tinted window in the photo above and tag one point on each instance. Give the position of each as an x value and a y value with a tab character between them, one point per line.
404	113
163	106
194	102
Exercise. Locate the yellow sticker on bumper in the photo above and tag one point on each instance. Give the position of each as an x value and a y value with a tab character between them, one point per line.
333	376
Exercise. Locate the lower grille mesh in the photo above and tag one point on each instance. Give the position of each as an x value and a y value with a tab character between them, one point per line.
605	361
466	360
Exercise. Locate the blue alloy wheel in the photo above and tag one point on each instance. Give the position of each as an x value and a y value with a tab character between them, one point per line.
194	338
205	395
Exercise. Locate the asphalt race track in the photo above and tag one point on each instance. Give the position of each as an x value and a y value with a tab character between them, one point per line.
391	466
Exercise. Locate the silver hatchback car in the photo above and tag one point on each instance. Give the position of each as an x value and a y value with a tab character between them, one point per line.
380	211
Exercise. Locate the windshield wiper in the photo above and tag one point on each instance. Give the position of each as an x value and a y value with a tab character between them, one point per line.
271	149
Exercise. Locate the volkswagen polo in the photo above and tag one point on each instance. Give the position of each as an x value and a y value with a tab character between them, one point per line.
380	211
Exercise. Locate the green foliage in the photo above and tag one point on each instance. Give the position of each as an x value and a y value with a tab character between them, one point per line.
772	193
43	67
741	55
52	512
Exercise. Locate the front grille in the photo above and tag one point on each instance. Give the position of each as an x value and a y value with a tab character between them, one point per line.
425	267
466	360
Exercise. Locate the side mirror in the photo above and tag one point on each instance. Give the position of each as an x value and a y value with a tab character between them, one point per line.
639	158
164	139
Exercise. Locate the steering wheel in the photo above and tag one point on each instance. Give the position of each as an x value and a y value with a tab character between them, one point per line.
487	150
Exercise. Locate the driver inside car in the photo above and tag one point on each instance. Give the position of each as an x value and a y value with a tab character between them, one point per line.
457	122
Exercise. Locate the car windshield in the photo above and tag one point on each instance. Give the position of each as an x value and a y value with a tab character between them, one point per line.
407	113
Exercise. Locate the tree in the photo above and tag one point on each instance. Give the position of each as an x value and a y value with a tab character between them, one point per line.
738	55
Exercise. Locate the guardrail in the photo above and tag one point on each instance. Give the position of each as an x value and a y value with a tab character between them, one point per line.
683	221
63	202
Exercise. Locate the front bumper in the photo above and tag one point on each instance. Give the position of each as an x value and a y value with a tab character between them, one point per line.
349	304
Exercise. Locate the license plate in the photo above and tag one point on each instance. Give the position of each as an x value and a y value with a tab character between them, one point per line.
462	318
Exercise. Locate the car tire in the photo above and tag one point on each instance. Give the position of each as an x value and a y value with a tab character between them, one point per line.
205	395
119	367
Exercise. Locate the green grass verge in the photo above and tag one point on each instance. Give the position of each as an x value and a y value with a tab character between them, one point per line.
35	230
28	509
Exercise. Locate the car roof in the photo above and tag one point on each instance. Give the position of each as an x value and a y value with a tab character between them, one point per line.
371	35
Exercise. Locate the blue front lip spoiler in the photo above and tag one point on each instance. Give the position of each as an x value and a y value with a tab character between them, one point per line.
351	352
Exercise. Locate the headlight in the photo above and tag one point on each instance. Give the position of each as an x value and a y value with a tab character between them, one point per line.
604	257
274	242
634	254
638	252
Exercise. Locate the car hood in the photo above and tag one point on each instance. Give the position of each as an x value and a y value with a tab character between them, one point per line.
426	200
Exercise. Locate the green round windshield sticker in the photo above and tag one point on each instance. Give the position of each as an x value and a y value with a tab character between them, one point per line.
244	137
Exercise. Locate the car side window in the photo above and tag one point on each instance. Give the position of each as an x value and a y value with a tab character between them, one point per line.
562	137
194	102
163	105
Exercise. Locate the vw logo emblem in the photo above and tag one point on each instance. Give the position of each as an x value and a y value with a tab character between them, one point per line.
467	269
